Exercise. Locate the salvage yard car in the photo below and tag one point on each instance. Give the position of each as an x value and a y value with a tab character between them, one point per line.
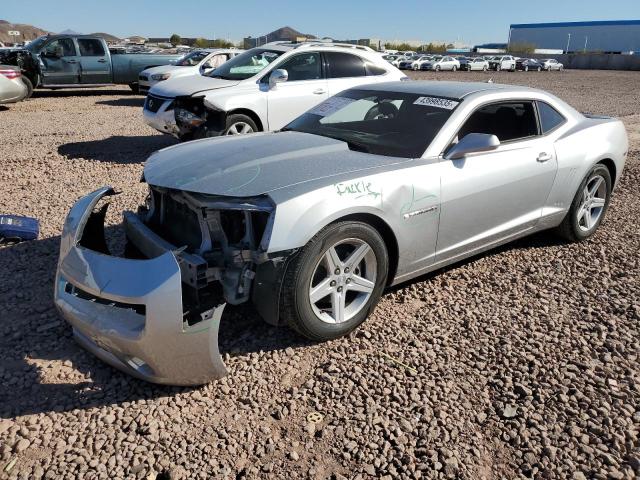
262	89
550	64
373	187
12	88
196	62
72	61
441	63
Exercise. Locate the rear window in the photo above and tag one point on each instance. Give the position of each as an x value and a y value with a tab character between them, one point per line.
342	65
550	118
373	70
90	47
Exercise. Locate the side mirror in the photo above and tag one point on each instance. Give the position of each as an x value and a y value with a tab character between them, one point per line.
473	143
279	75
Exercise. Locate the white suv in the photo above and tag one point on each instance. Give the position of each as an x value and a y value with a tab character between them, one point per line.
196	62
262	89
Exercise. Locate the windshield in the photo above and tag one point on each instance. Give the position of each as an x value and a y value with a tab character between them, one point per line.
35	45
191	59
380	122
245	65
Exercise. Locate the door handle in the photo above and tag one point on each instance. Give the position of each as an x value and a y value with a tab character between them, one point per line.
319	91
71	61
544	157
102	60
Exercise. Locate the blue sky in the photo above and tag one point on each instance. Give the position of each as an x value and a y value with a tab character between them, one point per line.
472	21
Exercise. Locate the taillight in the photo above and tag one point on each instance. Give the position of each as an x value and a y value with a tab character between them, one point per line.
11	74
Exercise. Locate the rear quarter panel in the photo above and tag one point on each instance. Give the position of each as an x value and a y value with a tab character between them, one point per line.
579	149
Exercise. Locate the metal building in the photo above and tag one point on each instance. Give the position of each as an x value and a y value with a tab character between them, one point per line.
617	36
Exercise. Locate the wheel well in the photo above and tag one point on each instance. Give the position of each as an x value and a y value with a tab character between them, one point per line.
249	113
388	236
607	162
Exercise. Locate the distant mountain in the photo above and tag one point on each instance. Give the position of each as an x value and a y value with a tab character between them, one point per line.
284	33
107	36
27	32
68	31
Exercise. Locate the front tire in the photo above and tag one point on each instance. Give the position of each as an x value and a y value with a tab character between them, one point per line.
239	124
29	86
335	281
588	207
454	68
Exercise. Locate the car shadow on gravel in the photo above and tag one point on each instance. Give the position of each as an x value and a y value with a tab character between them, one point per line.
544	239
82	92
118	149
123	102
42	369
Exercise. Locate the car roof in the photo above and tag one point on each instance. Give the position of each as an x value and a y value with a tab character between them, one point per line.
456	90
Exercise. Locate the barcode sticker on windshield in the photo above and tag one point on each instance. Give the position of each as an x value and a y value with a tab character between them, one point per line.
331	105
436	102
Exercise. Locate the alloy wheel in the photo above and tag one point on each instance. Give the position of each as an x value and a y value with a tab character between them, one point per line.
239	128
343	280
594	199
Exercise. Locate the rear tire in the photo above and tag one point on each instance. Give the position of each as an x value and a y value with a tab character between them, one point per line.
454	68
323	265
29	86
135	88
592	200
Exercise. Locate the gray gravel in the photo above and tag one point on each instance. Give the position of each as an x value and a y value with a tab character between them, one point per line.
519	363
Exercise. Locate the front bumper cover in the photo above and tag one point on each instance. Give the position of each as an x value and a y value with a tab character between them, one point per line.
129	312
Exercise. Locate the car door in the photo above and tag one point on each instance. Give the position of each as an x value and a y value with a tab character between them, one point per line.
305	87
95	67
59	62
495	195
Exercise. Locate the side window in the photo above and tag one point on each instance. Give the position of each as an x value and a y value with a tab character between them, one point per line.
373	70
550	118
90	47
62	46
508	121
342	65
305	66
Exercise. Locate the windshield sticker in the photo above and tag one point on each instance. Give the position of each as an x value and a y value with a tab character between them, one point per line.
436	102
331	106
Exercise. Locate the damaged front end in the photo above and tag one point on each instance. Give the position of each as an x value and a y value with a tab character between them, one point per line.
194	119
155	312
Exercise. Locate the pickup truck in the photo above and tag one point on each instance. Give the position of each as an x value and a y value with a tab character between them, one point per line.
72	61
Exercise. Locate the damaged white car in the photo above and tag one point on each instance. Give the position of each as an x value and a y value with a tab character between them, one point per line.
373	187
262	89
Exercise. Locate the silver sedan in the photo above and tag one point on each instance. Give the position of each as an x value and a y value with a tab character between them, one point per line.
12	88
373	187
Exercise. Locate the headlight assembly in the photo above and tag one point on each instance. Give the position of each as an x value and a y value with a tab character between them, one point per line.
160	76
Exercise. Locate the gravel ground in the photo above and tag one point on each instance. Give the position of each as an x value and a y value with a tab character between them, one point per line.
519	363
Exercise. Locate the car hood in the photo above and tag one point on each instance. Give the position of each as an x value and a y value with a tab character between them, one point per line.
255	164
162	69
189	85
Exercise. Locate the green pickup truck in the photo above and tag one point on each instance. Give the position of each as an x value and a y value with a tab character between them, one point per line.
72	61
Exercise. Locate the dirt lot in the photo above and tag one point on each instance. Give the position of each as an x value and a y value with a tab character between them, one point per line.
522	362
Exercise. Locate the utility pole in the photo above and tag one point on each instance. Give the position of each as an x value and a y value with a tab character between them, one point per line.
586	39
568	40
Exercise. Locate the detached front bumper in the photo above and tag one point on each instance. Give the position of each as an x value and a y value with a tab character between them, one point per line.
129	312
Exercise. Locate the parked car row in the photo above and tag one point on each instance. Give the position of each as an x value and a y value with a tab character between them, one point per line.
261	89
453	63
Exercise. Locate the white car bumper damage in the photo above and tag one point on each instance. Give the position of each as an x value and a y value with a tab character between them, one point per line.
159	113
129	312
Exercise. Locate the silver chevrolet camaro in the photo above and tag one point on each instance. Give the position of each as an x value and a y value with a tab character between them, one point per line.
371	188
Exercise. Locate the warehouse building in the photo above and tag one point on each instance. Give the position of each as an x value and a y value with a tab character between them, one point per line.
618	36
